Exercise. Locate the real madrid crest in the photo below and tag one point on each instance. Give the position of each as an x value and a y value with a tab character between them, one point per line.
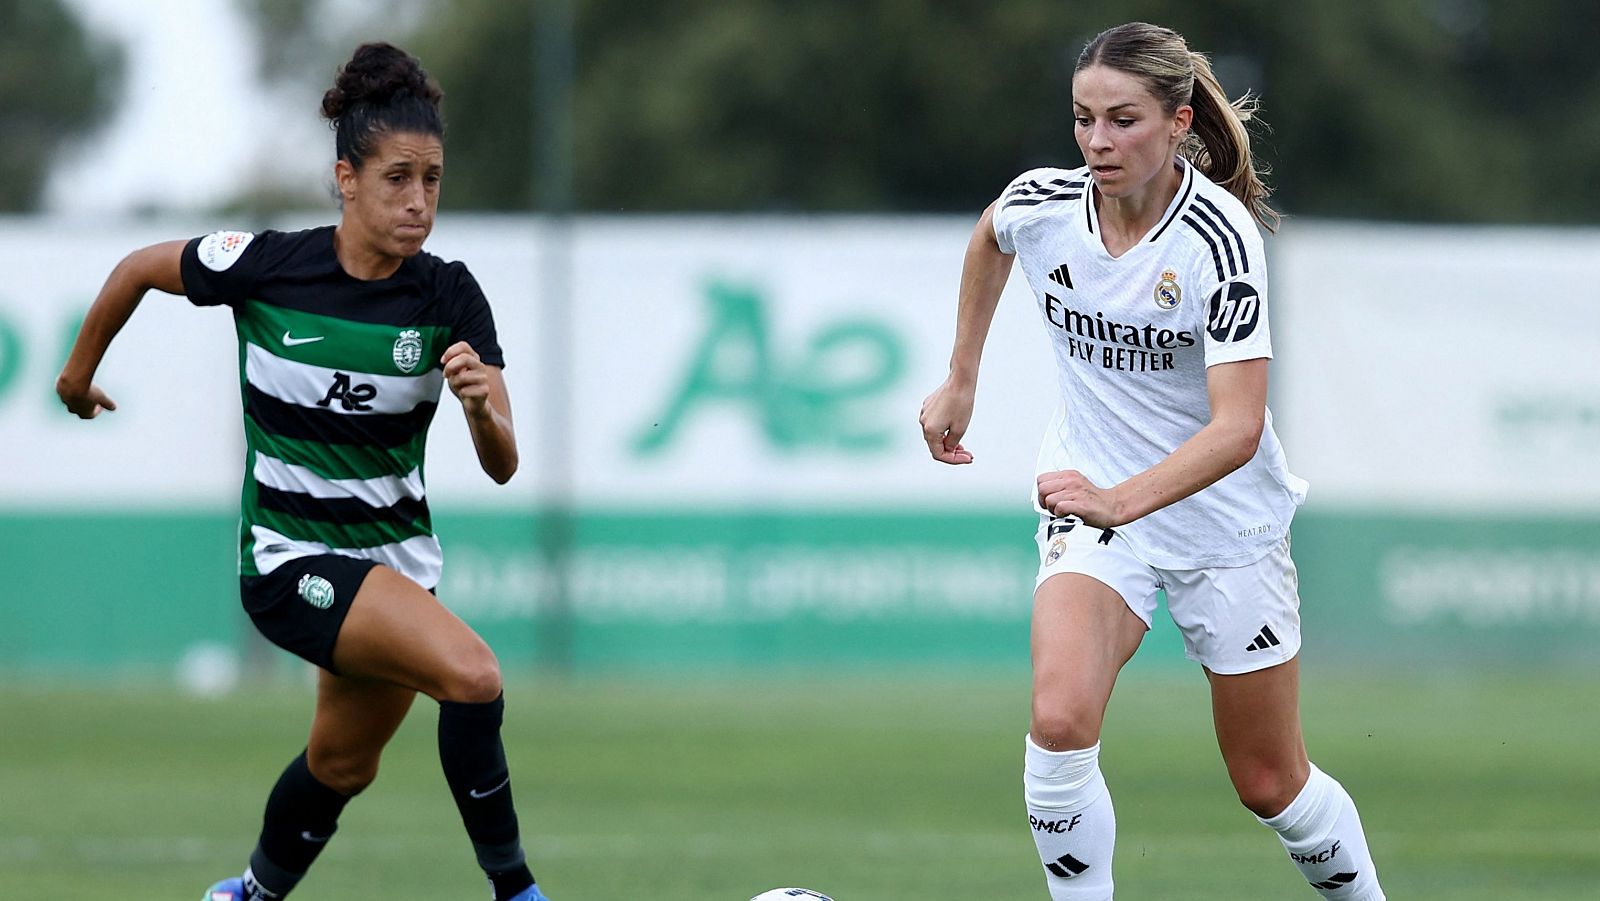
408	350
1057	533
1168	294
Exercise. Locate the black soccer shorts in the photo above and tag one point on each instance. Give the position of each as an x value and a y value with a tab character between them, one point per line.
301	605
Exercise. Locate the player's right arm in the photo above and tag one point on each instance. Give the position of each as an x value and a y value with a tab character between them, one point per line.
947	412
156	266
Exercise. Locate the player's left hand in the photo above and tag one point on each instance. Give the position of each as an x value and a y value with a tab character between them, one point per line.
1068	492
467	377
83	398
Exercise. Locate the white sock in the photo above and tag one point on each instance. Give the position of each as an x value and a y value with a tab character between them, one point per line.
1074	827
1322	833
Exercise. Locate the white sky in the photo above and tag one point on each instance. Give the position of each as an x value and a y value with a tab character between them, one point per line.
194	126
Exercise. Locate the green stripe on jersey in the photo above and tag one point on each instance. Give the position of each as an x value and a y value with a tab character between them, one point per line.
337	461
340	343
334	534
247	541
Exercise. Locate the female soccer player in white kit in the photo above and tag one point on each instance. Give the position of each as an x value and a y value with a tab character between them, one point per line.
1161	469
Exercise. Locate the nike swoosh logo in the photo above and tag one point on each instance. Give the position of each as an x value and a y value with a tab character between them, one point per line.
289	341
478	794
319	839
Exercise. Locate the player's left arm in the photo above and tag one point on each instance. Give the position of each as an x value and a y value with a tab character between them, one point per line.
1238	397
481	389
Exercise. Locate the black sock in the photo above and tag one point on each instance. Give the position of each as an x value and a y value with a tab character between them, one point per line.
507	884
474	761
302	814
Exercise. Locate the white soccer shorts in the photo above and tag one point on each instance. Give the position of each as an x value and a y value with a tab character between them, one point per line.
1234	619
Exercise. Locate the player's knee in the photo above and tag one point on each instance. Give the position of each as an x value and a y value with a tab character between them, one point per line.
346	773
1064	726
474	678
1265	789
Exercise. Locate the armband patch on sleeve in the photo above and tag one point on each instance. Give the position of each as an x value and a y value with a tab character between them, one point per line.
220	250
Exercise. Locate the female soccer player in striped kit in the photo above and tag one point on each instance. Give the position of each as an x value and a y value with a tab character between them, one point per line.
346	335
1161	469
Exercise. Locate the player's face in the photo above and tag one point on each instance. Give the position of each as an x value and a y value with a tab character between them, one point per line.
395	194
1125	136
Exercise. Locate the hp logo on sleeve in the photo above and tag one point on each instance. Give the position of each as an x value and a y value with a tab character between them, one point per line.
1233	313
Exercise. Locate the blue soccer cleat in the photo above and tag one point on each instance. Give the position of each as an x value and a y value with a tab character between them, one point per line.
531	893
226	890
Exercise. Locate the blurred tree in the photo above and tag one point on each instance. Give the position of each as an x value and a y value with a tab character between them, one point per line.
301	44
308	39
1460	110
56	84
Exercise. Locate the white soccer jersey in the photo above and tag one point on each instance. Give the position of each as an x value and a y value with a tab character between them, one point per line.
1133	336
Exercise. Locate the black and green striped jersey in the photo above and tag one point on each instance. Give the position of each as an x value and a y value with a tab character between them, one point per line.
340	379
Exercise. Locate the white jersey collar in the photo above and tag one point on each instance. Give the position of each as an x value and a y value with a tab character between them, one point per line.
1179	201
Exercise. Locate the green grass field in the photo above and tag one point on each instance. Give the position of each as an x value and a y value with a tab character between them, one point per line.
1473	788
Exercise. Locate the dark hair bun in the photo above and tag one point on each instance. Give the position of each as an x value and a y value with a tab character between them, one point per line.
378	74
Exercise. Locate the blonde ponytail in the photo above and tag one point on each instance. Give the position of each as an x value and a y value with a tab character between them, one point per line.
1219	145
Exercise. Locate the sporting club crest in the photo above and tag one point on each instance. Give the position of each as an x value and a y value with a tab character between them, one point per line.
316	591
408	350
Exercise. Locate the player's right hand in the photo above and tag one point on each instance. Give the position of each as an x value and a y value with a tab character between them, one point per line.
84	403
946	413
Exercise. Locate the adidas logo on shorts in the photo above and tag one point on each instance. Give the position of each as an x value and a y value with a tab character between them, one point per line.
1265	639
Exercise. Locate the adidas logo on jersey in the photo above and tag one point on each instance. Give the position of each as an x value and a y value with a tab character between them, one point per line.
1265	639
1061	276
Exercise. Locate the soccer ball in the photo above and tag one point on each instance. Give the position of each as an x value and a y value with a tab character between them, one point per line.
791	894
